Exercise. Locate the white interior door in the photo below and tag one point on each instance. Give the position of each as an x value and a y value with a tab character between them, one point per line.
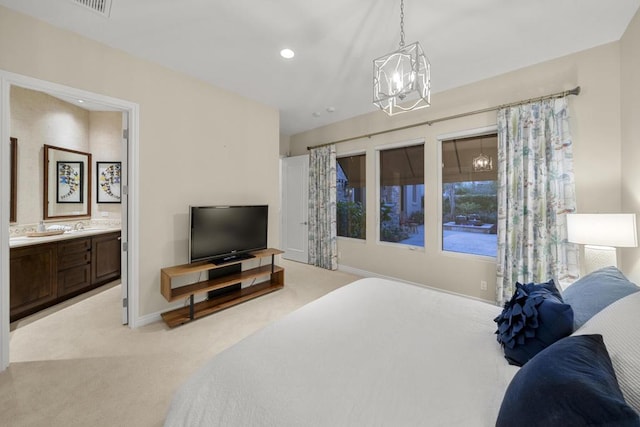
295	199
124	271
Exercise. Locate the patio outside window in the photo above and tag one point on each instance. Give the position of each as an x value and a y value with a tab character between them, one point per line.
402	195
469	195
351	193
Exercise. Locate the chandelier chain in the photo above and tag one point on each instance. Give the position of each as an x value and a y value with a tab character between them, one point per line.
401	23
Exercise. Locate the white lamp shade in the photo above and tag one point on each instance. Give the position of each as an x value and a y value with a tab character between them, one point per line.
616	230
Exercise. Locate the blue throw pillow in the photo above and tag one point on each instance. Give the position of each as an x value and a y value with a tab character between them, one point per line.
532	320
593	292
571	383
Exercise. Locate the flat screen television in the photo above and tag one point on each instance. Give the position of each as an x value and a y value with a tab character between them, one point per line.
223	234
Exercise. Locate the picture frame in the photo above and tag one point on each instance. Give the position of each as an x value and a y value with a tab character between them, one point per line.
13	203
108	182
70	182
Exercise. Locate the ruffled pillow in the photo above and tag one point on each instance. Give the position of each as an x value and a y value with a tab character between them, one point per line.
534	318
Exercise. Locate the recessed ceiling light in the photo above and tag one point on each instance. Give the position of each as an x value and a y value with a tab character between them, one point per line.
316	114
331	109
80	101
287	53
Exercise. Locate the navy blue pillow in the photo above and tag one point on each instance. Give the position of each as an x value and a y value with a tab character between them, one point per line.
532	320
593	292
571	383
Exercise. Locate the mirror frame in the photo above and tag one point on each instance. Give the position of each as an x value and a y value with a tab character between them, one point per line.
45	189
13	201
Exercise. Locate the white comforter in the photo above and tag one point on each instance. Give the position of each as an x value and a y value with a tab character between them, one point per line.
373	353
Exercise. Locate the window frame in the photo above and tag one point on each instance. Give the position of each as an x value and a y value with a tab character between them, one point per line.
364	153
391	146
469	133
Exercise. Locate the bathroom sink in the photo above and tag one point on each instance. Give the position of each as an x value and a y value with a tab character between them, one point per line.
85	229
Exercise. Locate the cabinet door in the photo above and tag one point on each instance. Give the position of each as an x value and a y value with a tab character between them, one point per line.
105	258
74	280
33	279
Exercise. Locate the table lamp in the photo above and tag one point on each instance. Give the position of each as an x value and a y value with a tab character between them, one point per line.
602	234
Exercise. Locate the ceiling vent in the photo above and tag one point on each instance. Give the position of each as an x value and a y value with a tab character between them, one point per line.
103	7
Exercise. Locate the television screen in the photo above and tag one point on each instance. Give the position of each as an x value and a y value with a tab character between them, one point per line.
222	233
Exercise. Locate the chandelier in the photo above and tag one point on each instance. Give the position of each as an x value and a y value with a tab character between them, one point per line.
402	79
482	163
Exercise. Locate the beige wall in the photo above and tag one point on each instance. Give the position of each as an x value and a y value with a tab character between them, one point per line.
38	119
630	102
595	125
194	143
105	145
284	145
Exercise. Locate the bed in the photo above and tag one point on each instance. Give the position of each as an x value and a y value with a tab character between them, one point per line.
374	352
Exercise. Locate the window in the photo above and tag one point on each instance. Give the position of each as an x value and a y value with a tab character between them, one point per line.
469	195
351	197
402	195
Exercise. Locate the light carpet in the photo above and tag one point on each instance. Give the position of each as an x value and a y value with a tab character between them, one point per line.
78	366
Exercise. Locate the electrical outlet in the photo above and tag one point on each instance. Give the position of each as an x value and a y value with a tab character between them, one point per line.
483	285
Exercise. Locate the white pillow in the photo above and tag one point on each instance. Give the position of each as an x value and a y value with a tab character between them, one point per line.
619	325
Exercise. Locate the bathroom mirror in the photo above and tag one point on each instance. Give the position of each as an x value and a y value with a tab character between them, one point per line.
13	201
67	183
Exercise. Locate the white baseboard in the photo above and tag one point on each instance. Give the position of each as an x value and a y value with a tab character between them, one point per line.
154	317
365	273
148	319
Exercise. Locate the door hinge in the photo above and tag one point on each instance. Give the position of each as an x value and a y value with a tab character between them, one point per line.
125	190
125	134
125	246
125	302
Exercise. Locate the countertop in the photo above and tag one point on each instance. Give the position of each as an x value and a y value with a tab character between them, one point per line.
15	242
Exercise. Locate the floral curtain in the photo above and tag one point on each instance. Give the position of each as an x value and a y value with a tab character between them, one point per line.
323	249
536	190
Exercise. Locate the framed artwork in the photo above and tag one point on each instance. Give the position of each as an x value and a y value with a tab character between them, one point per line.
70	182
108	182
14	181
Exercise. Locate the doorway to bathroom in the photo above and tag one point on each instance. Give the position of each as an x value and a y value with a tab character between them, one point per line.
110	126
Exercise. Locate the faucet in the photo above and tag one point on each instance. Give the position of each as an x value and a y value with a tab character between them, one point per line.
78	226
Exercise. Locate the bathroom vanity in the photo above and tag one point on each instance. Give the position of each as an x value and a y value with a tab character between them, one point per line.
47	270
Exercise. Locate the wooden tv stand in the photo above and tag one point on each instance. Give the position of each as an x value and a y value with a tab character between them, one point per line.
193	311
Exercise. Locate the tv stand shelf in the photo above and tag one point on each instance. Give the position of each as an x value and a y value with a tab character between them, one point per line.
224	300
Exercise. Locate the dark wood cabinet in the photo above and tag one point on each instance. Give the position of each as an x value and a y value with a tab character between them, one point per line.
105	258
74	266
47	273
33	278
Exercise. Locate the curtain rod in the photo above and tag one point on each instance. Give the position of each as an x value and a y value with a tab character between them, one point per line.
574	91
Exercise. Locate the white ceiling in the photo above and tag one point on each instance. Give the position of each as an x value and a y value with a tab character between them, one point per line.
235	44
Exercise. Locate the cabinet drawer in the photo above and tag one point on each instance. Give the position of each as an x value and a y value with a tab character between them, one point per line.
73	260
74	279
73	246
